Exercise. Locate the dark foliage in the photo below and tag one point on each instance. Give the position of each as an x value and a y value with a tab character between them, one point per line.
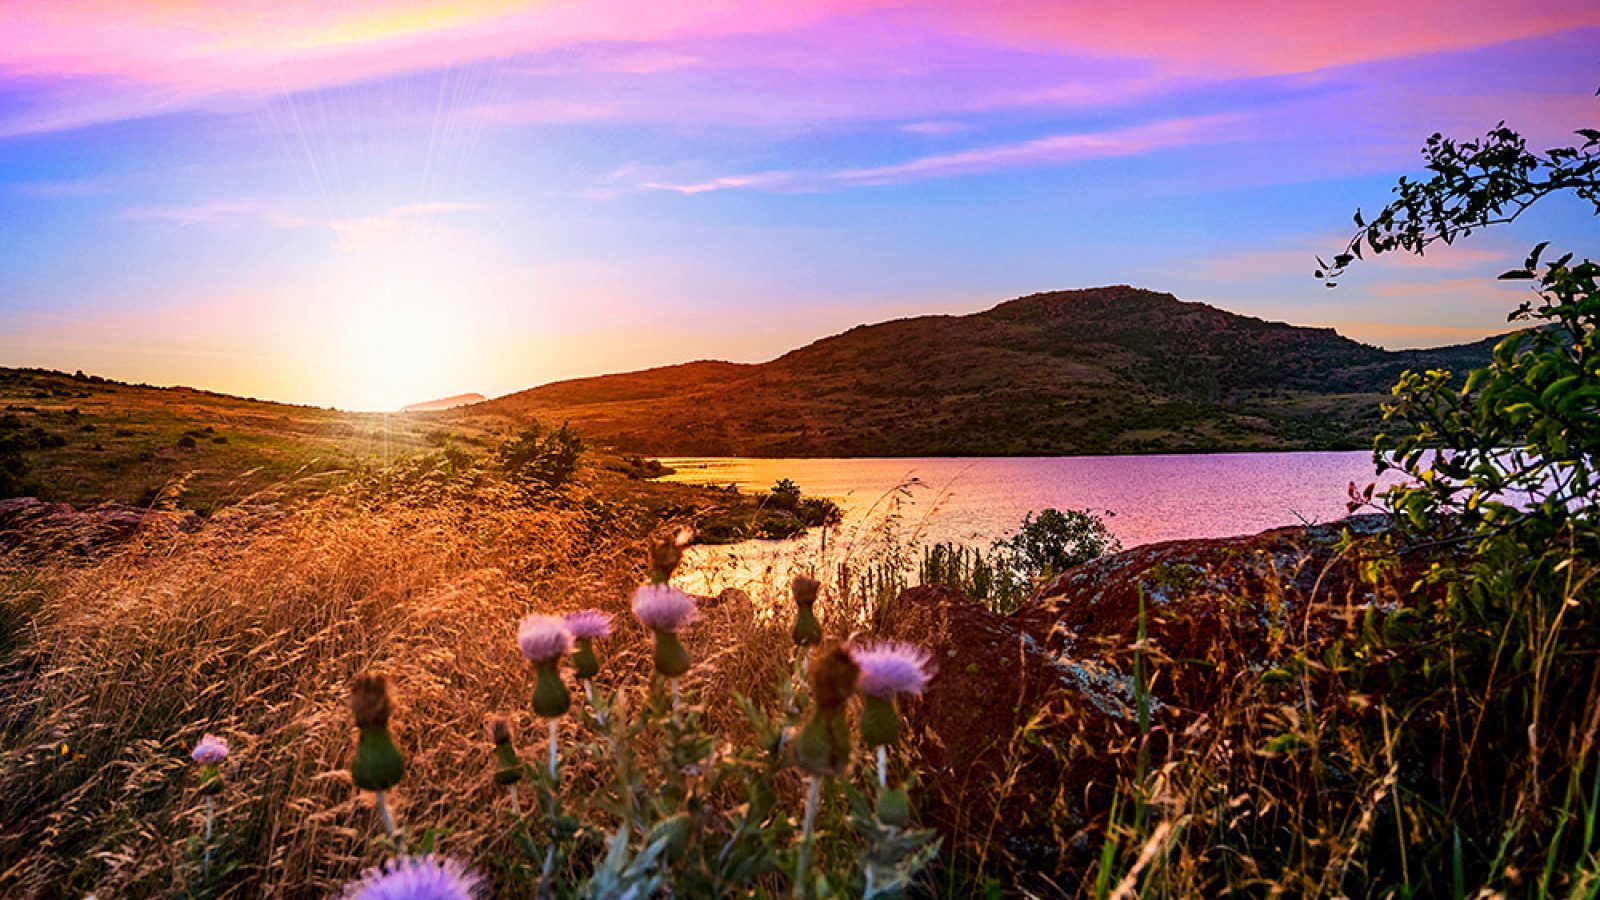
540	456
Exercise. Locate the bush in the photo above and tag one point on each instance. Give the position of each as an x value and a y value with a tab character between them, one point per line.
1444	744
14	480
1005	575
541	456
1055	541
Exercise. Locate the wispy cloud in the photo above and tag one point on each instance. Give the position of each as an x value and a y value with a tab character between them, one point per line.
360	233
350	233
225	212
1053	150
935	128
727	182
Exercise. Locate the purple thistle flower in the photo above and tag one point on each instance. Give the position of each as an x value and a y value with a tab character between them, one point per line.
210	750
543	637
589	624
889	668
662	607
428	877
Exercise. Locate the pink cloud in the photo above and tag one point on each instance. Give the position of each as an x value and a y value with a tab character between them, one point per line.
1053	150
1059	149
1261	37
301	43
142	57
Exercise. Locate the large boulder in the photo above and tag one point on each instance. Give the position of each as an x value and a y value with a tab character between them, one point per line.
28	524
1022	734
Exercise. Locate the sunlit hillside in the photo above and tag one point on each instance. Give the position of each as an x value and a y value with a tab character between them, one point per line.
1102	370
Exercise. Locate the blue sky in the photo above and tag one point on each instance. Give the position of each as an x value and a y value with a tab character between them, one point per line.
464	202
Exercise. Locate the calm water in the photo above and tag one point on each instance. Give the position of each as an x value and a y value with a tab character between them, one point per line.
1150	498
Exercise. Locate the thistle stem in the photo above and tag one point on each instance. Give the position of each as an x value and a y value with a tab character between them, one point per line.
555	736
803	864
516	804
675	720
883	767
205	857
588	691
383	813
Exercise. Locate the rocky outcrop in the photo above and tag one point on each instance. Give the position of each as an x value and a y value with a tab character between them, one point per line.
1033	713
28	524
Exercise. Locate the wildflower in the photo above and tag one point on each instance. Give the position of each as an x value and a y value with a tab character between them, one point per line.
378	764
209	753
544	640
587	626
210	750
888	669
544	637
667	552
823	745
807	630
508	768
429	877
665	610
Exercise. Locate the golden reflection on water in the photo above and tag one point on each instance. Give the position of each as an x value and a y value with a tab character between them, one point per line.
893	507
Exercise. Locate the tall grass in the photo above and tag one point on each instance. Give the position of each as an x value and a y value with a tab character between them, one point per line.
252	630
1381	758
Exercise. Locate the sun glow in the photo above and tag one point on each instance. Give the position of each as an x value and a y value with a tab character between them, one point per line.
404	335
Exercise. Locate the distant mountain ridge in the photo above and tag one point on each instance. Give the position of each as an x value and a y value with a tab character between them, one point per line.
1101	370
444	403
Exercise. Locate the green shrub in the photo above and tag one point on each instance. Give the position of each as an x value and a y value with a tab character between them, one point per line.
541	456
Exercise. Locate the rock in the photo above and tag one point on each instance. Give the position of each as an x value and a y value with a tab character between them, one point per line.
1244	595
976	733
1028	723
28	524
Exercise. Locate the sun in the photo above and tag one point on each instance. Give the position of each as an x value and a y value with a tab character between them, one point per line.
404	335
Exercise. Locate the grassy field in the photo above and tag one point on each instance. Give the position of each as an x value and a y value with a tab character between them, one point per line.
92	440
1437	741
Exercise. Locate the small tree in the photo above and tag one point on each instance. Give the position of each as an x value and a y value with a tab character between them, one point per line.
542	456
1055	541
784	495
1502	485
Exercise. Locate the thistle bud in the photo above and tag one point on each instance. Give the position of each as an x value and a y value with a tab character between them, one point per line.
894	807
664	610
880	722
378	763
508	768
807	630
666	552
823	745
550	697
587	627
544	640
210	752
672	834
585	665
888	669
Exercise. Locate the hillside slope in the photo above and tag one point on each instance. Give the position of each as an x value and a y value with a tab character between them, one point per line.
85	439
1114	369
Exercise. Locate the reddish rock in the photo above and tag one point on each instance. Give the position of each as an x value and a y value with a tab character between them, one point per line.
1023	732
28	524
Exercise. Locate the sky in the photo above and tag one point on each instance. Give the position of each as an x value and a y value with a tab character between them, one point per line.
364	204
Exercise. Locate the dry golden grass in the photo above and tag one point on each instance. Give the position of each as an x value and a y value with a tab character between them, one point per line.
252	629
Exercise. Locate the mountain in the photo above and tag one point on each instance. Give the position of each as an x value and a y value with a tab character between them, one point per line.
1102	370
444	403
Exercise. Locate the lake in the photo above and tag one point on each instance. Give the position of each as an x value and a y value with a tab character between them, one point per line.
977	500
